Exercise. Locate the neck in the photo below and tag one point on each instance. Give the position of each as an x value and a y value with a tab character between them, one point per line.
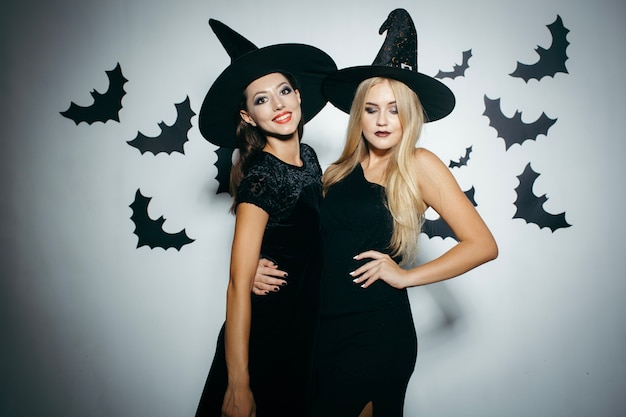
376	160
375	167
286	150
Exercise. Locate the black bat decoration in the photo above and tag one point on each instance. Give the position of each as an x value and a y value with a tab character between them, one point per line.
150	232
172	138
463	160
439	227
513	130
551	60
457	70
530	207
105	106
223	164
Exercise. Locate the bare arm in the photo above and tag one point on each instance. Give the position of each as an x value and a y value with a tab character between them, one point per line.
249	229
476	243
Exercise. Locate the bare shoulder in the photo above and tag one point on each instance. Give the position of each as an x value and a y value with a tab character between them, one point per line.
427	163
434	179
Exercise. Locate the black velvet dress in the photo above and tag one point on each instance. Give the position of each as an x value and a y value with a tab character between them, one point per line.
367	346
282	327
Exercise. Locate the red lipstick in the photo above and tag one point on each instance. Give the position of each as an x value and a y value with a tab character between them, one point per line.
282	117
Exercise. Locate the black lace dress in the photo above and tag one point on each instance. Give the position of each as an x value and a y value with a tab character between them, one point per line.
282	328
367	346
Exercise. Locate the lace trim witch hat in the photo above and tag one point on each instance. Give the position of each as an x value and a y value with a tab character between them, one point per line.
397	59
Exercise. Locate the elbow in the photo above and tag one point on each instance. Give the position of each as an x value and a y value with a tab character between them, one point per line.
494	252
239	286
485	250
241	282
491	250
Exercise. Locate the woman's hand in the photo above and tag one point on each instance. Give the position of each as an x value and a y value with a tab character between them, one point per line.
380	267
268	278
238	402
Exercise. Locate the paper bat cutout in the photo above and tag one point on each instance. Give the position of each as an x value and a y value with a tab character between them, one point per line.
223	164
513	130
172	138
551	60
105	106
530	207
457	70
463	160
150	232
439	227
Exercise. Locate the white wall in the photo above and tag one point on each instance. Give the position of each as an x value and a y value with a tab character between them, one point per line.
93	326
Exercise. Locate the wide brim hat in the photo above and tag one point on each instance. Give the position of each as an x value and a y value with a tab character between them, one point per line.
307	64
397	59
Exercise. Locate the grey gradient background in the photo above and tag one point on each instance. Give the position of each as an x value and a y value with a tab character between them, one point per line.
93	326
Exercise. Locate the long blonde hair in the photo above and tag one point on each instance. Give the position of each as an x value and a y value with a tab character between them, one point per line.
403	196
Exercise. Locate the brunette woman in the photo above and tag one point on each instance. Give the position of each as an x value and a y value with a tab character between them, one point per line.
259	105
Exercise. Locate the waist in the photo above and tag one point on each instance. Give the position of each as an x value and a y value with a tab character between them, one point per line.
340	296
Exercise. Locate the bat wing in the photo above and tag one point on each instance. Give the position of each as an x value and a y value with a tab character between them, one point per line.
150	232
463	160
223	164
530	207
551	60
105	106
438	227
172	138
513	130
457	70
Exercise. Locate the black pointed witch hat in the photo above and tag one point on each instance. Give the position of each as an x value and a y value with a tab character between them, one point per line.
397	59
220	109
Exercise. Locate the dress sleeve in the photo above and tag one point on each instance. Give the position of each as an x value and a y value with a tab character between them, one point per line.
259	187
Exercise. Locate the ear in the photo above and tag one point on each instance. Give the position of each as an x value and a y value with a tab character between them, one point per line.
298	95
246	118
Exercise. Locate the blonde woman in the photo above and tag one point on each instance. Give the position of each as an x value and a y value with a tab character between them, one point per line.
375	197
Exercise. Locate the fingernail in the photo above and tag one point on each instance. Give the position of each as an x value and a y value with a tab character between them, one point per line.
267	292
275	289
355	280
351	273
286	275
282	284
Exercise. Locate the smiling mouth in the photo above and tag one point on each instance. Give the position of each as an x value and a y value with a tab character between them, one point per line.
282	118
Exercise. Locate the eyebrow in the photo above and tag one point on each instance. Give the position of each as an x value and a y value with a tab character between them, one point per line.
377	105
